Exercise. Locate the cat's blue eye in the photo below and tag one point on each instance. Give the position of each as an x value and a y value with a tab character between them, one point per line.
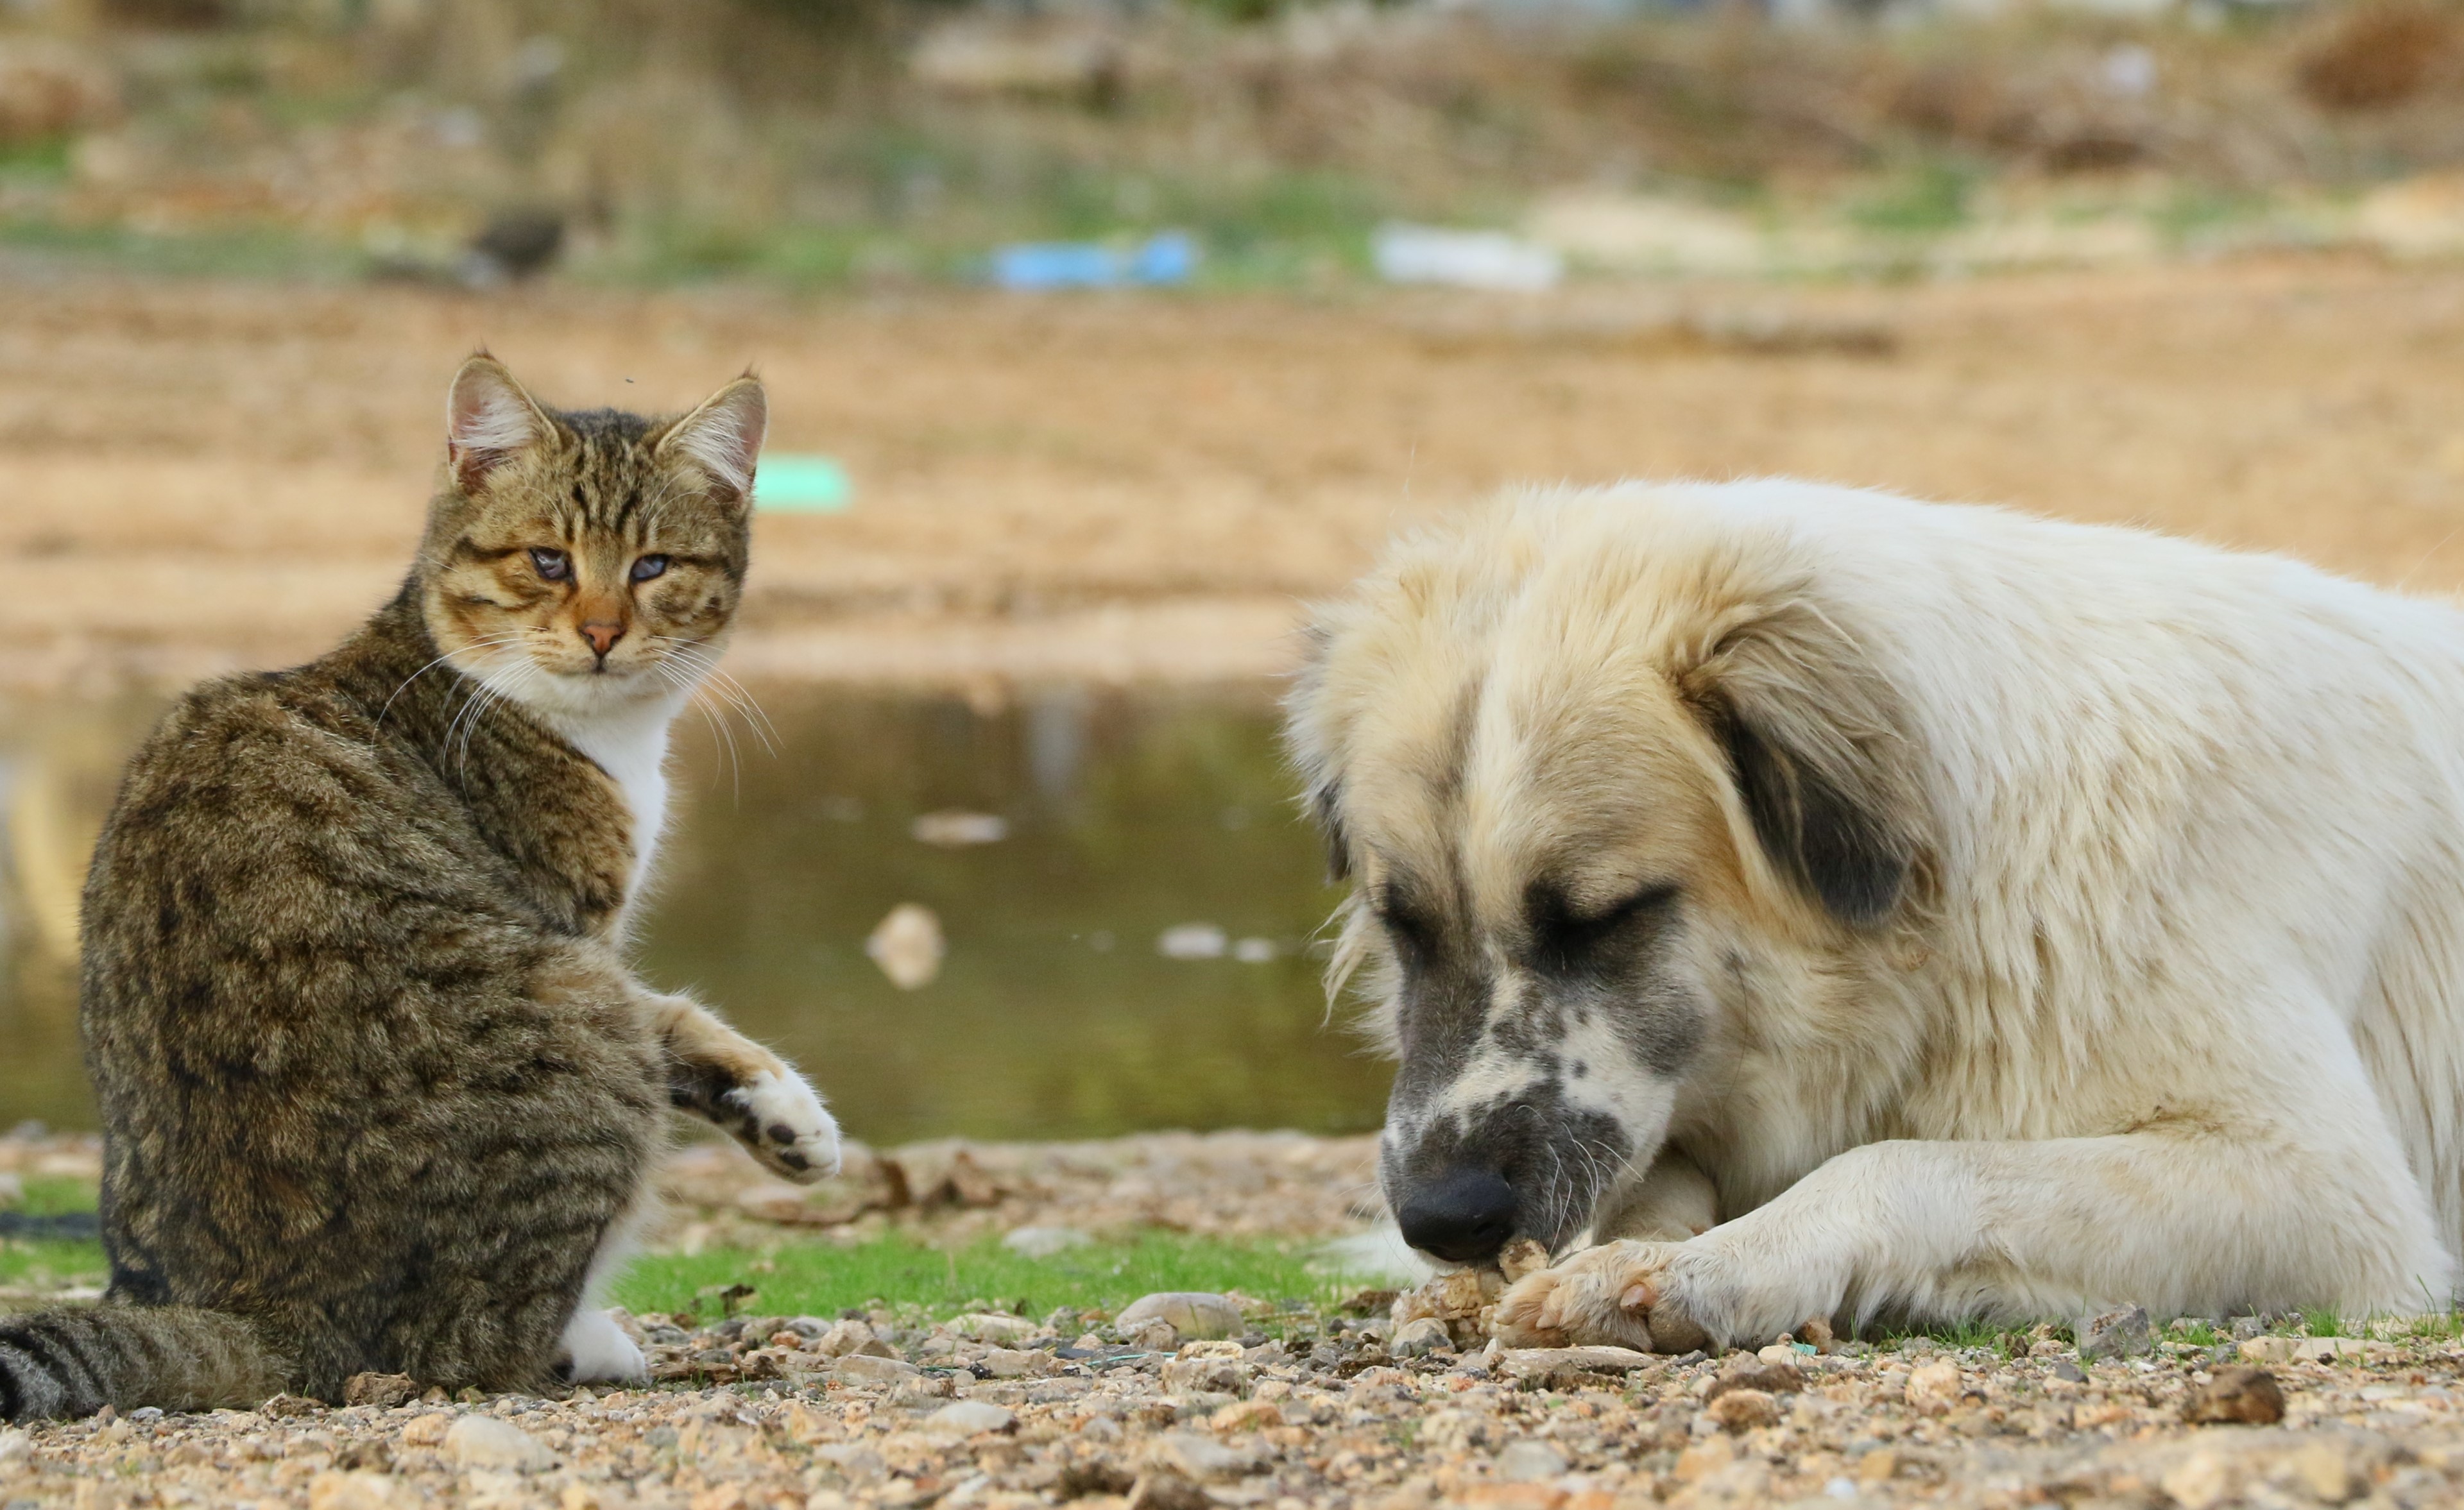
554	566
649	566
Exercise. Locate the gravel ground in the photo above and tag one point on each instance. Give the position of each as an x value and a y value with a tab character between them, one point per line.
1189	1401
1005	1412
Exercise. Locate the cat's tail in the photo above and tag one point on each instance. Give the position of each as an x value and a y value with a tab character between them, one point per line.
72	1362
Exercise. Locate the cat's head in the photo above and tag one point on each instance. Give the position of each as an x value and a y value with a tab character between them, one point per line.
583	561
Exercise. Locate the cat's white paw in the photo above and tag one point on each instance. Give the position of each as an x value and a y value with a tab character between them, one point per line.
787	1127
597	1351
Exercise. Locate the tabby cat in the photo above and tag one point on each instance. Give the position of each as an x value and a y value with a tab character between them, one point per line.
378	1091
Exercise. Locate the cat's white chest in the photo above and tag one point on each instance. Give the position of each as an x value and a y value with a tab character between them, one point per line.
632	749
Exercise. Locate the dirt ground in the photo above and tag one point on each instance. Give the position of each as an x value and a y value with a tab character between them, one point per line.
198	475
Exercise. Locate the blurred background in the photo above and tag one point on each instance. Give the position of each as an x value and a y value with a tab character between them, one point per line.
1102	334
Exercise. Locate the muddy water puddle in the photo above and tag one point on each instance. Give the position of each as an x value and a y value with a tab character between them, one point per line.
1125	898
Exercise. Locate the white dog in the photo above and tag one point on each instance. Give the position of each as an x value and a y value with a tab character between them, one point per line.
1834	906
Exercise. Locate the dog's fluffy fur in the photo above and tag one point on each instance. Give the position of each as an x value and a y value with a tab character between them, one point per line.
1973	915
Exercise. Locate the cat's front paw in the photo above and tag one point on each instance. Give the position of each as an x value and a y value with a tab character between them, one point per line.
597	1351
786	1126
1619	1294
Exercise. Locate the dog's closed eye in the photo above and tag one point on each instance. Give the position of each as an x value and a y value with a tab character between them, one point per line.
1564	938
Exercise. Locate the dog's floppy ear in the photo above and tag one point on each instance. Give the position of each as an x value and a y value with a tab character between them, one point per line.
1304	739
1816	740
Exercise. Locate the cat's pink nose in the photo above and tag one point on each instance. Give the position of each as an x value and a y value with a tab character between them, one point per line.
603	636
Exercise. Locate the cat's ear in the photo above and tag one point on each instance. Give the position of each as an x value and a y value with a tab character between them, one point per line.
489	419
723	437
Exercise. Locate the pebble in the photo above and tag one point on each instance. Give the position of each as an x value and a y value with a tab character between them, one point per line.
1529	1462
969	1417
1744	1410
866	1368
1193	1314
2122	1332
2236	1393
482	1442
1935	1387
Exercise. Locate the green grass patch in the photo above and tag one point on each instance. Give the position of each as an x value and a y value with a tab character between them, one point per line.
903	1274
42	1261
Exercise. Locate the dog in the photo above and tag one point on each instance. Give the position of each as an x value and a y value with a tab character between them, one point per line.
1786	903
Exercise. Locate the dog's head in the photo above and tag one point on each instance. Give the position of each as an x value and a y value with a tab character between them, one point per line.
1601	768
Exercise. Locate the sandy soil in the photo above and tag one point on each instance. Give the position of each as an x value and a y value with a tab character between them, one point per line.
197	475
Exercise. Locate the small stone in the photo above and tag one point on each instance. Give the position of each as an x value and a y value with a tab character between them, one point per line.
2237	1393
1744	1410
866	1368
356	1491
2324	1465
282	1405
1205	1375
1530	1462
1750	1371
1199	1457
2066	1370
482	1442
1934	1387
2267	1350
1193	1314
922	1389
2246	1327
1817	1333
1521	1257
1566	1367
426	1431
1417	1339
1249	1415
986	1327
849	1338
1165	1490
970	1418
1009	1363
2204	1479
2122	1332
382	1390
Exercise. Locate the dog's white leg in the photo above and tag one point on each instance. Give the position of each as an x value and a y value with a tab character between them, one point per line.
2181	1218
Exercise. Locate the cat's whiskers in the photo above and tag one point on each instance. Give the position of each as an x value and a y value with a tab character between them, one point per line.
489	643
733	694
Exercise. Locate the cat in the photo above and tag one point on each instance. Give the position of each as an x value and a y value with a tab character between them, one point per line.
378	1092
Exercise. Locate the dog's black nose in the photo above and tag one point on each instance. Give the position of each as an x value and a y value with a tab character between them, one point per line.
1464	1216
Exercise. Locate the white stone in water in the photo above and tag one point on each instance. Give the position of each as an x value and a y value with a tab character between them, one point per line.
482	1442
1529	1462
1191	1313
1192	941
906	944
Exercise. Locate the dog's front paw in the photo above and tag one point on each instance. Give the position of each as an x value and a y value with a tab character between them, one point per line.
1619	1294
785	1126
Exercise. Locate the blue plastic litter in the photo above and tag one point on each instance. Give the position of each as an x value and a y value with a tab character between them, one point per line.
787	483
1166	258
